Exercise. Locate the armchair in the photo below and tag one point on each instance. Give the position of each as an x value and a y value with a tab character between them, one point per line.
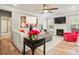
71	37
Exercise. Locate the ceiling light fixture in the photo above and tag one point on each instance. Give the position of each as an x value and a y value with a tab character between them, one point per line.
45	11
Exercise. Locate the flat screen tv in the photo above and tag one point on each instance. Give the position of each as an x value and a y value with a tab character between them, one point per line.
60	20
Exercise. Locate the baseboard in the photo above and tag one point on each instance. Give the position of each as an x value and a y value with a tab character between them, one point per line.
4	37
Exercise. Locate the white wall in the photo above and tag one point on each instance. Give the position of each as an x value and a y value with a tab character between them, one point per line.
15	20
43	21
69	17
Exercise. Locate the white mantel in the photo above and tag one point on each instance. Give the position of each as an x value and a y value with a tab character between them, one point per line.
60	26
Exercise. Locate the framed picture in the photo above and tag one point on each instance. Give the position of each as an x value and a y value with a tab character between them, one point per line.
32	20
22	21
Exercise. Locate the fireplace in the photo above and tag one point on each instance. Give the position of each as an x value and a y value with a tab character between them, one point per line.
59	32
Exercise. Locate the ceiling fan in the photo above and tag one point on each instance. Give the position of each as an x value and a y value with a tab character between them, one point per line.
46	9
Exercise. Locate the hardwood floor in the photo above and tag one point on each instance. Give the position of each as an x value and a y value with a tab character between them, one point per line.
8	48
63	48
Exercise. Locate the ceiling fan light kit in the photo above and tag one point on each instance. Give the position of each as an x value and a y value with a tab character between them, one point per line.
45	11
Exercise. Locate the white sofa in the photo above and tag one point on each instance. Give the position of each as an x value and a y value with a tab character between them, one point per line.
17	39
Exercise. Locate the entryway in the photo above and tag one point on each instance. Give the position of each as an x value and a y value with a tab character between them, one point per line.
5	24
5	27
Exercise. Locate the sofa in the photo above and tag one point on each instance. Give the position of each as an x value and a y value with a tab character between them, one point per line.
17	39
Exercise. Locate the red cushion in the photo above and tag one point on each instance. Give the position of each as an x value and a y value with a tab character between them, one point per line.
21	30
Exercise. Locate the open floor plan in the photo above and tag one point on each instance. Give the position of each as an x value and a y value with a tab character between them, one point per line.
39	29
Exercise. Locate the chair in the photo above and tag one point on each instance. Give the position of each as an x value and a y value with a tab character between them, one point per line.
71	37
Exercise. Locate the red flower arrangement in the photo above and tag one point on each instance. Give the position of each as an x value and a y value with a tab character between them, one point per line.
33	33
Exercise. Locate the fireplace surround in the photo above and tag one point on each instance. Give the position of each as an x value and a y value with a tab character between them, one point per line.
59	32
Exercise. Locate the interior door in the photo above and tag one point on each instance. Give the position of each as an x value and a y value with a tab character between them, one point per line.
5	26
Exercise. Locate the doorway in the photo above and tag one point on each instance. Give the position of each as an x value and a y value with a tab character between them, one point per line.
5	27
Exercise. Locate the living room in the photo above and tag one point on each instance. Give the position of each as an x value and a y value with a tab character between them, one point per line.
59	22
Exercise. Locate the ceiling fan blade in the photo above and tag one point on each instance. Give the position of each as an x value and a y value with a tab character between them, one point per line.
52	9
38	9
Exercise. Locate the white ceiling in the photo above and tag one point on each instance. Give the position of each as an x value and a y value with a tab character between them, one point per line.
62	8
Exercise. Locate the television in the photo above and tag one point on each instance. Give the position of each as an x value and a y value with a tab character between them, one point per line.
60	20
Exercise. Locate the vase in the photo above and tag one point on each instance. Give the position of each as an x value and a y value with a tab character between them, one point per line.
34	37
30	28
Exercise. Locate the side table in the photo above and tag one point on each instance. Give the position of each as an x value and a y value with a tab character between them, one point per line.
33	44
